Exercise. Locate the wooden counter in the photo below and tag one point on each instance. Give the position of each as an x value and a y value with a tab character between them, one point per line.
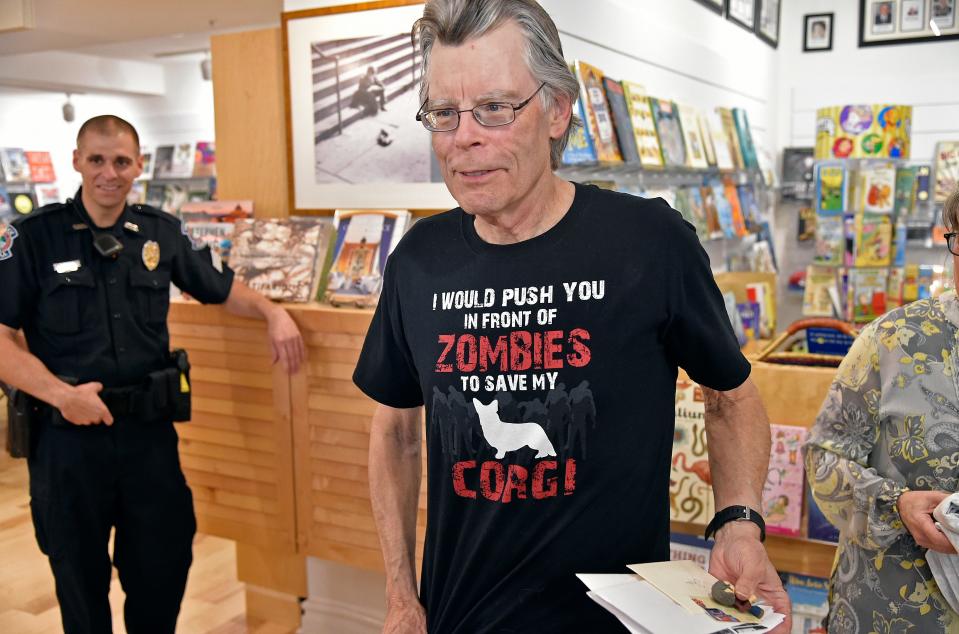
279	464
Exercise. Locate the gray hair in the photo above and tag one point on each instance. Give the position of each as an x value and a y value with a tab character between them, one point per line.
453	22
950	212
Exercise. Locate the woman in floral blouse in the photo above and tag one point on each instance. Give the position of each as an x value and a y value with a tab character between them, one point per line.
882	455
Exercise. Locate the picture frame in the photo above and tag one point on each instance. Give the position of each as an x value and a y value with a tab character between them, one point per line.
768	15
352	81
742	13
717	6
889	22
817	32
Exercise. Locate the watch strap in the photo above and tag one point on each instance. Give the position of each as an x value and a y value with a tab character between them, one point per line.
736	514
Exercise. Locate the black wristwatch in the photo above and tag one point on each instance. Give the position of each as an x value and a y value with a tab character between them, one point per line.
736	514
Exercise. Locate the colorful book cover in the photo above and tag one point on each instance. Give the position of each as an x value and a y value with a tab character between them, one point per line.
280	257
690	488
905	204
6	206
683	547
580	149
14	164
783	489
894	291
598	116
873	239
204	160
818	293
947	170
692	140
745	135
698	212
732	195
831	187
910	283
41	167
707	138
867	293
713	227
720	140
364	240
810	602
751	315
621	119
670	132
724	208
147	157
228	211
732	137
878	189
644	128
216	235
830	239
47	194
750	206
863	131
819	527
923	180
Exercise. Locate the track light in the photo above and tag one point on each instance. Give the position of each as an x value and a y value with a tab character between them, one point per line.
69	113
206	67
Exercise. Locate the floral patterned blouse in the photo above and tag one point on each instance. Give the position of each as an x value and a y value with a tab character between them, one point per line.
890	423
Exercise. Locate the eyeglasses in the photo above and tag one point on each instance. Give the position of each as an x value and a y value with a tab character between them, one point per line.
951	242
491	114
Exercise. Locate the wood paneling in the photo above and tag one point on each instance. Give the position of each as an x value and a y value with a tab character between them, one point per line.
248	88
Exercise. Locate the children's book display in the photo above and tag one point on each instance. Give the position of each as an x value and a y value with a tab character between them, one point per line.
598	119
783	489
281	258
363	241
690	481
863	131
947	170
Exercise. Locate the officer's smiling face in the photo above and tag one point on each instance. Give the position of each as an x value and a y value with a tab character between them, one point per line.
109	163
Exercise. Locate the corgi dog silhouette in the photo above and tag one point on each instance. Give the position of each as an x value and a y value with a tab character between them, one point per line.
503	436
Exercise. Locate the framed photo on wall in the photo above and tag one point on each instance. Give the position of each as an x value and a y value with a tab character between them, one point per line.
714	5
742	12
883	22
817	32
352	93
767	21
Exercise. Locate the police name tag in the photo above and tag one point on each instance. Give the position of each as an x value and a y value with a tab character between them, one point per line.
67	267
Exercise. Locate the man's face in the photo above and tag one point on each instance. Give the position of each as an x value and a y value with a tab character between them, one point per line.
109	163
491	170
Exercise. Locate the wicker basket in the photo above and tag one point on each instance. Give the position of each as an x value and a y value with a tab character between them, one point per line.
769	354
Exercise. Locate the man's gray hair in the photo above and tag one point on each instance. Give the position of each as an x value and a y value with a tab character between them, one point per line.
453	22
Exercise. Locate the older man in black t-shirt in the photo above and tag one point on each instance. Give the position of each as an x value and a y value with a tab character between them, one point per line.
543	322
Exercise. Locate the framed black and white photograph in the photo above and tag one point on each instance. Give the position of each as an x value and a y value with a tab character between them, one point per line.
885	22
883	17
353	81
714	5
742	12
912	15
767	21
817	32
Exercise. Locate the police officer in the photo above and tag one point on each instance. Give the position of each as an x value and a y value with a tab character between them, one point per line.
88	283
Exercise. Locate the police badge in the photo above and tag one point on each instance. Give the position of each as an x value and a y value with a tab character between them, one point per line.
151	255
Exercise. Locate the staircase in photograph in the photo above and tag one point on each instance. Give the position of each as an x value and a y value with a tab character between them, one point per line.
338	66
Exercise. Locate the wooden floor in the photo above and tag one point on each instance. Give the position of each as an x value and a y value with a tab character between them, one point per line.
214	601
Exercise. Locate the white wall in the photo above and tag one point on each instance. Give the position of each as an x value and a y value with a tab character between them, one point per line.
925	76
33	120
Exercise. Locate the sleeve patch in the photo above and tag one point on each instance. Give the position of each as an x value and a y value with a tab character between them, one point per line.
8	233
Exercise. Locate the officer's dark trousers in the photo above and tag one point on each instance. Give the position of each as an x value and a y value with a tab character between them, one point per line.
85	480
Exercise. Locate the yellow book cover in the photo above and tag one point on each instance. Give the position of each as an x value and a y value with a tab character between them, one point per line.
644	128
598	115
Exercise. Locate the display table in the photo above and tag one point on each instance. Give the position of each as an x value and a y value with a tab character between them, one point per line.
279	463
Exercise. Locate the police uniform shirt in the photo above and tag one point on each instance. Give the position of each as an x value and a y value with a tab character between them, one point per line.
96	318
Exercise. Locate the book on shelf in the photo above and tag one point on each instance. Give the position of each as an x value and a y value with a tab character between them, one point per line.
905	197
690	489
47	194
878	188
147	157
41	167
863	131
818	527
873	242
923	182
598	117
692	140
281	258
785	480
364	240
720	140
7	213
750	313
810	602
732	195
707	138
947	170
867	293
212	222
831	187
174	161
819	292
698	212
830	239
894	289
643	125
724	208
670	132
580	149
732	137
204	160
714	229
622	121
14	165
750	206
745	135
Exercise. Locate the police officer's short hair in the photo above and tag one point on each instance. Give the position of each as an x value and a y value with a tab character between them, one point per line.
107	123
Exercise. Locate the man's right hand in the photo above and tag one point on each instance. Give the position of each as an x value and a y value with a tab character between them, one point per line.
915	509
81	405
407	617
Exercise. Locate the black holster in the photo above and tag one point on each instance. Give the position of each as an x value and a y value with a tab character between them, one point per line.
20	413
168	392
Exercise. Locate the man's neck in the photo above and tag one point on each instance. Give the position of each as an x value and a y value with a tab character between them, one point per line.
102	217
538	212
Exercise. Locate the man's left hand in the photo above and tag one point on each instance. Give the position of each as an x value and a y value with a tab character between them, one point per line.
286	340
740	558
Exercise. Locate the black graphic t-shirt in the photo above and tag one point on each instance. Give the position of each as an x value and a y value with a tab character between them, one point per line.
548	371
